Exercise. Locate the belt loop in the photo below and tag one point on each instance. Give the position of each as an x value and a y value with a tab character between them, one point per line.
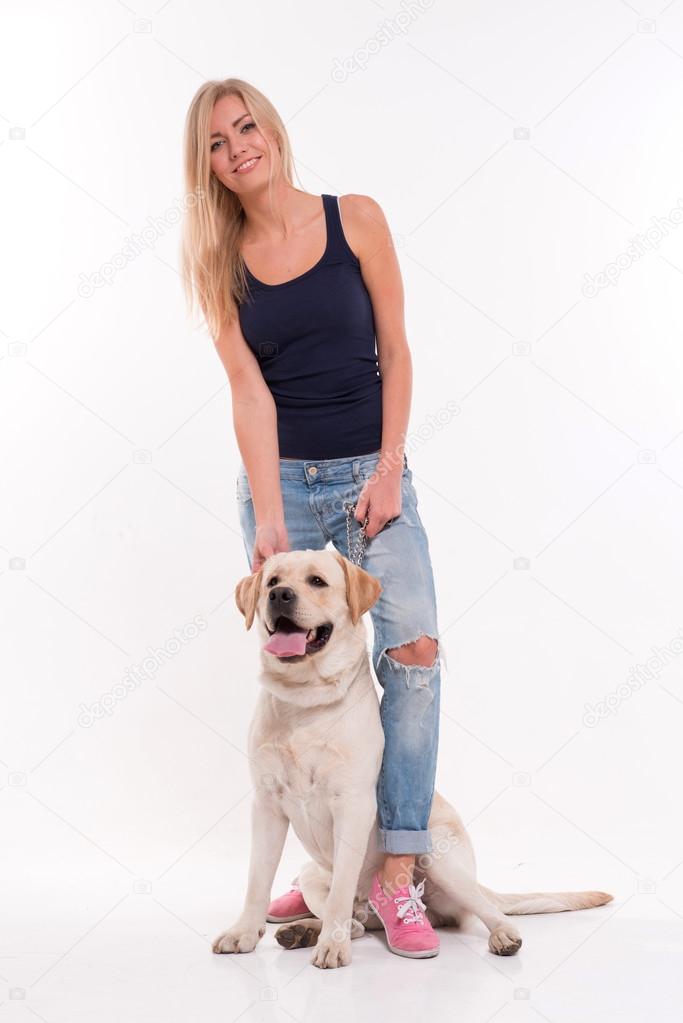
405	460
355	468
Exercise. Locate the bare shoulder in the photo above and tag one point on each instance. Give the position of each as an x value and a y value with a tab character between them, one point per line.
365	224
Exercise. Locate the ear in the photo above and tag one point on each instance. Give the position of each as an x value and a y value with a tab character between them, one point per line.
362	589
246	595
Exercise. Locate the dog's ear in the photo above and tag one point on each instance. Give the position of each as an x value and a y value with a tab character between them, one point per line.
362	589
246	595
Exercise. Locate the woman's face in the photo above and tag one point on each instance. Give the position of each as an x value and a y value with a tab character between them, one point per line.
233	141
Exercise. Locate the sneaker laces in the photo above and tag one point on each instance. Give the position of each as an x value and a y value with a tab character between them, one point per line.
412	905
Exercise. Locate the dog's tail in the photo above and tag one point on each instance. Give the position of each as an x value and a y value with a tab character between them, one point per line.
516	904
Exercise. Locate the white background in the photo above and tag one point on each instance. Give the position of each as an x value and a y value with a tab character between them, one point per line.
515	148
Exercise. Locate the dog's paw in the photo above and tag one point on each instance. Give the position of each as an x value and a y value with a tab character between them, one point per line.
301	934
238	938
505	941
330	953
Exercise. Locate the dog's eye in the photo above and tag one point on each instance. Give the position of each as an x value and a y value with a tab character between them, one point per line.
315	580
272	581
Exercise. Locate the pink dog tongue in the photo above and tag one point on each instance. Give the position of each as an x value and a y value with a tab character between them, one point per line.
287	644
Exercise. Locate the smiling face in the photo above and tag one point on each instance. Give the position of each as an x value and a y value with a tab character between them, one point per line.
240	153
306	602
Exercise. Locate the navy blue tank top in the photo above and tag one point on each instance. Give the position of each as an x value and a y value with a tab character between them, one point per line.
314	338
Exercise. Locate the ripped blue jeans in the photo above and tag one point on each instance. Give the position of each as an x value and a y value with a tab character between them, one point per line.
313	495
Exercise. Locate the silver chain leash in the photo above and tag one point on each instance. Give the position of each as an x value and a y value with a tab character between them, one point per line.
356	551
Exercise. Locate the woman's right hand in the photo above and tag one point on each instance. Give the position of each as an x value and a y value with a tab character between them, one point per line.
271	538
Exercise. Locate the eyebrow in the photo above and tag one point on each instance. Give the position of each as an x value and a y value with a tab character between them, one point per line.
234	124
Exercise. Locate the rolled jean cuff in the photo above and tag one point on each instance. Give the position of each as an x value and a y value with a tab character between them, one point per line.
405	841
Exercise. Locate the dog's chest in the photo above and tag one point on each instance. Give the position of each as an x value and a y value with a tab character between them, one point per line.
303	774
298	766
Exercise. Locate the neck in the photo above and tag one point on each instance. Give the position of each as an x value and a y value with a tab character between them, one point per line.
313	696
264	223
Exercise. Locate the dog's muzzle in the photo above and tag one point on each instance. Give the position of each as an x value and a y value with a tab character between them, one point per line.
288	639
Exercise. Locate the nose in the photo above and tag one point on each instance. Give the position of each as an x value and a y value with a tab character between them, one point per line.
281	601
237	148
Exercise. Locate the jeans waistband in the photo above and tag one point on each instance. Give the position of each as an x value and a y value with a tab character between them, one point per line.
329	470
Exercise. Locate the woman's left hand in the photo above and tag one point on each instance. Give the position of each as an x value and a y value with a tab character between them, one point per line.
380	498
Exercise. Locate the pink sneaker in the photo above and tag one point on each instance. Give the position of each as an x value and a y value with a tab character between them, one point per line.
290	906
409	932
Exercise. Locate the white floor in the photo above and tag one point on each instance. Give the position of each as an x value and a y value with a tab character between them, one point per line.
93	949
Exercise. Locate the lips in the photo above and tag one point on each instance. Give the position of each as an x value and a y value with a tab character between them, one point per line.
256	158
288	639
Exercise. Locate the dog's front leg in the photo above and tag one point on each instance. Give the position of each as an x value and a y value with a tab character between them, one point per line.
352	824
268	832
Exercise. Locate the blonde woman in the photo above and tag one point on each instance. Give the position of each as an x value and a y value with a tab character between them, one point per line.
303	297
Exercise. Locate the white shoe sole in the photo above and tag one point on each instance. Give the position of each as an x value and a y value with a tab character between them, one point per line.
426	953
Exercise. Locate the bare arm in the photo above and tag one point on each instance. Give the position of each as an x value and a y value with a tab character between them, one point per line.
254	417
368	233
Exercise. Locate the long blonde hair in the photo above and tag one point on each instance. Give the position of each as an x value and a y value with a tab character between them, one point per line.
212	266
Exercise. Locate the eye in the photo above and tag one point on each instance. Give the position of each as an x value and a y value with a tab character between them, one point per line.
272	581
219	142
315	580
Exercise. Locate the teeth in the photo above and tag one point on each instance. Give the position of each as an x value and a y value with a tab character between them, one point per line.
248	163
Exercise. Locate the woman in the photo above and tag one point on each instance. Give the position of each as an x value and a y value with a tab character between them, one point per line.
295	288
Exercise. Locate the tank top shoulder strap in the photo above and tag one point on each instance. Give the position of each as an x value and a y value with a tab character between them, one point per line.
338	248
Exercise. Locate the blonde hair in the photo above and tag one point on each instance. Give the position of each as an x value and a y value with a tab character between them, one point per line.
212	266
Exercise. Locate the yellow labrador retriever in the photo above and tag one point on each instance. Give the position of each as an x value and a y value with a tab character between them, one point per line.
316	744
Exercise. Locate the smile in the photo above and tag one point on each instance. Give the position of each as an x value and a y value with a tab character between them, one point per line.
288	641
247	165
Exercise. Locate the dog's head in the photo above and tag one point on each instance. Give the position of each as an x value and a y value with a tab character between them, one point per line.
308	605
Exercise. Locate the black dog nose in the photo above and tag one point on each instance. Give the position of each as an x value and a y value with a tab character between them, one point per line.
282	600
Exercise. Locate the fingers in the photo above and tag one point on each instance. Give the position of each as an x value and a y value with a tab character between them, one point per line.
376	522
373	527
265	549
361	508
376	525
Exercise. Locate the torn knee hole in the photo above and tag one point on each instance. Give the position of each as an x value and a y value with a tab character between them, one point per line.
421	651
